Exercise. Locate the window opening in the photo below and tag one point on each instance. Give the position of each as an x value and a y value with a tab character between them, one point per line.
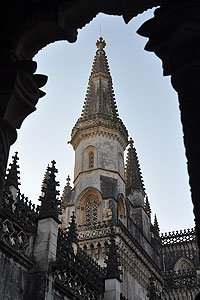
91	211
91	160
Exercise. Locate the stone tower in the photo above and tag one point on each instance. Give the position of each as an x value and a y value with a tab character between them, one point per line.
99	139
108	197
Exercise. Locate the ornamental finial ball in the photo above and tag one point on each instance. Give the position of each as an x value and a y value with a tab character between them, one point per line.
100	43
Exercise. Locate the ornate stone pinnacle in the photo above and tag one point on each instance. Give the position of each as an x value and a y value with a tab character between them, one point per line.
133	176
100	44
72	234
66	192
12	178
147	206
68	180
156	226
112	261
131	142
49	203
153	293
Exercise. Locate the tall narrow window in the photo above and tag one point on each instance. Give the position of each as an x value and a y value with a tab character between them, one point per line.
91	211
91	160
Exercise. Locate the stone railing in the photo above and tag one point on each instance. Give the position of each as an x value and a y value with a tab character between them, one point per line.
13	237
181	236
76	271
21	211
187	278
91	232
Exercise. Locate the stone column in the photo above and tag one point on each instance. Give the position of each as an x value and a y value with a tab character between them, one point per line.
174	36
45	246
112	289
45	253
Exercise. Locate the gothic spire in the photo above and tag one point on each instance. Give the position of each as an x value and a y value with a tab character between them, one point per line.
133	176
100	98
12	178
100	108
49	202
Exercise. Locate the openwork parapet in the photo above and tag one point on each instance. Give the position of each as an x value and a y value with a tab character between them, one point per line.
93	231
13	238
180	279
181	236
75	272
21	211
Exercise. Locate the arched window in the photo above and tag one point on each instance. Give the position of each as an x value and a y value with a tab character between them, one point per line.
91	160
121	210
183	265
121	164
91	211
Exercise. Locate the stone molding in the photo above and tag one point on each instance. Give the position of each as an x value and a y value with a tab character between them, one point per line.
93	130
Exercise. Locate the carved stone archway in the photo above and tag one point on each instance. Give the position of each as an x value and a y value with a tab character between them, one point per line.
173	36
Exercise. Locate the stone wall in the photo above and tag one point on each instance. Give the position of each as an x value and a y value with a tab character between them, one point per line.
13	278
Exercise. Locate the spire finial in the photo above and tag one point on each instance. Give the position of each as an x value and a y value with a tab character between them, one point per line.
100	43
68	180
131	142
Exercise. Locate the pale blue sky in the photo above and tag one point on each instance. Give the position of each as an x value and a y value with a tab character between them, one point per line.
147	104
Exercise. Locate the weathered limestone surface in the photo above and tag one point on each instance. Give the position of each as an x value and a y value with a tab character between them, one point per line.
46	243
13	279
112	289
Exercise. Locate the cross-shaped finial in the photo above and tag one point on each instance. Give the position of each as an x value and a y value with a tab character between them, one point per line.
131	142
68	180
100	43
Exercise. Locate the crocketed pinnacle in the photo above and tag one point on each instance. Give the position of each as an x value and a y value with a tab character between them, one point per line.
147	206
66	192
100	108
112	261
156	226
12	178
153	293
72	230
49	202
133	176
